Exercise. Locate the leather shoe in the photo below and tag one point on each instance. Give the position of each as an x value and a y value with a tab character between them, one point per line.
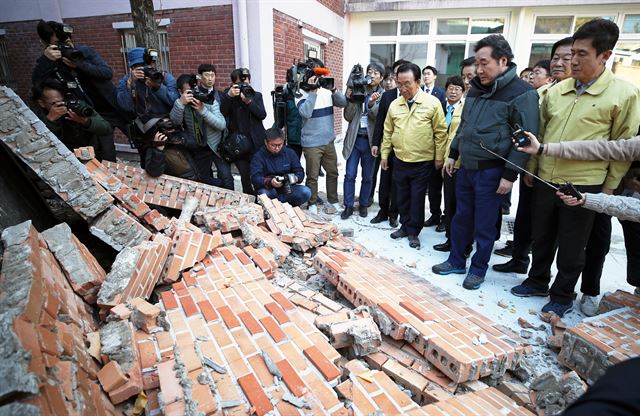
432	221
446	246
441	227
393	222
378	218
362	210
512	266
348	211
414	242
401	233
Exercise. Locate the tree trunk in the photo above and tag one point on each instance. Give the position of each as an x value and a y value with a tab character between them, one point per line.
144	24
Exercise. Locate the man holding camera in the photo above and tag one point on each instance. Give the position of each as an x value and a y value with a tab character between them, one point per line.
145	92
71	120
363	93
200	115
244	109
85	75
318	134
276	171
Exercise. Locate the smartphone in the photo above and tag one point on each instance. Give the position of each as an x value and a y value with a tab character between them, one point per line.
519	138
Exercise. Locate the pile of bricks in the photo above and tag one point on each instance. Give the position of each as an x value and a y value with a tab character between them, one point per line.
596	343
460	342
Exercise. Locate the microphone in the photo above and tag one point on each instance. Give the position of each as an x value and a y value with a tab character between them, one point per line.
321	71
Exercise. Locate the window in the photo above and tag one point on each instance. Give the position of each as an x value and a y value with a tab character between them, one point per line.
582	20
6	76
631	23
539	51
383	53
553	25
384	28
626	61
414	28
487	26
453	26
414	52
448	58
313	49
128	39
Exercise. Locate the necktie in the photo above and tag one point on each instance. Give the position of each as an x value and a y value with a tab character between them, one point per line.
410	103
427	90
450	109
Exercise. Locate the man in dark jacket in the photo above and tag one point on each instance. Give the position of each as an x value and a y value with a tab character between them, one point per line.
276	171
386	195
498	100
244	110
82	67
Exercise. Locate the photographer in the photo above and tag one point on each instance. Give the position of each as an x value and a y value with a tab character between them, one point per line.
316	109
146	92
244	110
200	115
86	76
363	93
72	121
276	171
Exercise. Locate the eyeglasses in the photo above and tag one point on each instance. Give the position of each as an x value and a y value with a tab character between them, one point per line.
275	145
454	88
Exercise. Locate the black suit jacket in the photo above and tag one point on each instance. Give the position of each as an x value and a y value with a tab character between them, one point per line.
385	101
438	93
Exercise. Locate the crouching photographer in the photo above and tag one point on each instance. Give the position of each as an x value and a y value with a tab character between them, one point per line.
276	171
73	121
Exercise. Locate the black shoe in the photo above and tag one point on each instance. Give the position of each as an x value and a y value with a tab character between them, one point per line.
512	266
401	233
393	222
506	251
320	201
378	218
432	221
446	246
348	211
414	242
442	227
362	210
468	250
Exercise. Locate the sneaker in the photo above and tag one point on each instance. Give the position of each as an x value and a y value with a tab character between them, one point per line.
512	266
506	251
393	222
414	242
380	217
348	211
331	209
589	305
447	268
525	291
558	308
362	211
472	282
401	233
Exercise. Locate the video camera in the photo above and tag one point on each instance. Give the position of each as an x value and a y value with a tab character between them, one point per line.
79	107
287	181
358	83
245	89
298	77
197	94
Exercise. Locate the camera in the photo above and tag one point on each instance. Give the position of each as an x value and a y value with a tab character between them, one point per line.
207	98
245	88
153	74
518	136
79	107
69	51
169	129
286	181
279	97
358	83
298	77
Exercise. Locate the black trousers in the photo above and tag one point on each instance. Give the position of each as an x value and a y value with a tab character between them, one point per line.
567	229
449	185
244	167
595	252
107	148
631	232
435	193
296	148
387	192
615	393
411	181
374	177
522	226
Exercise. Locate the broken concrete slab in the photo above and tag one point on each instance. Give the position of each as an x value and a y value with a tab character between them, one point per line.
227	219
82	269
551	395
118	229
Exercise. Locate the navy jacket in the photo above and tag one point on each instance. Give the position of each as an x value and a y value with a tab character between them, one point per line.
487	117
265	165
437	92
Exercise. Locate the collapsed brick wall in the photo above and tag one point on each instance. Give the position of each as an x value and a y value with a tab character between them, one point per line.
288	48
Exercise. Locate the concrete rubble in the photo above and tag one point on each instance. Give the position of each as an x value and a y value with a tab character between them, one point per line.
251	309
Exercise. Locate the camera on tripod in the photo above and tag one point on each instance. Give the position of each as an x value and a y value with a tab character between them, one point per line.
79	107
287	181
358	83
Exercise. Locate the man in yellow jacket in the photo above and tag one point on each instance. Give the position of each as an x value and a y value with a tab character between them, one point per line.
591	105
416	131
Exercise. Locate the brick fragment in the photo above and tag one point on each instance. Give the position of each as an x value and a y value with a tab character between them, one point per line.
329	371
111	376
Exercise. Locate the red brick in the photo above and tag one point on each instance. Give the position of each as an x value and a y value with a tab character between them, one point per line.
277	312
111	376
228	317
282	300
273	329
291	378
327	368
188	306
255	394
207	310
250	322
392	313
